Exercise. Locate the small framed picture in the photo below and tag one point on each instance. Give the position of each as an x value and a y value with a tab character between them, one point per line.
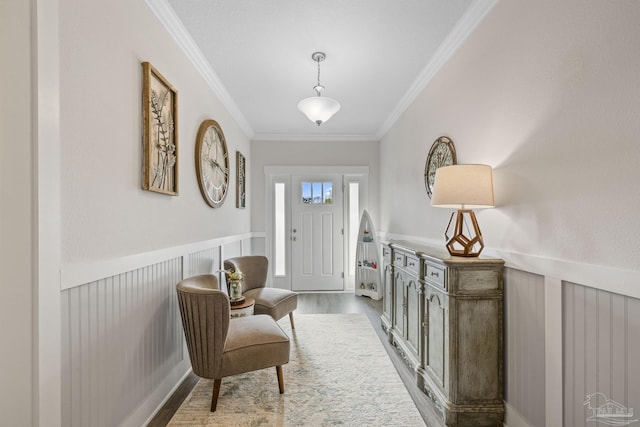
241	180
160	136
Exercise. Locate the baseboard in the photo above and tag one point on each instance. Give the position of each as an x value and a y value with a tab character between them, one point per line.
512	418
168	396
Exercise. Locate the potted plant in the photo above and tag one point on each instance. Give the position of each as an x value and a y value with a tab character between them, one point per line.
234	279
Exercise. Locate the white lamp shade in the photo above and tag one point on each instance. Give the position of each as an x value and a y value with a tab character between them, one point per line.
319	109
463	187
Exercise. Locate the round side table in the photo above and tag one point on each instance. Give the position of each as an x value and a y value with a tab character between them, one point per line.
244	309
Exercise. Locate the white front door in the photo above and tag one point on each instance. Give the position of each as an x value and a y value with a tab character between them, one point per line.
317	233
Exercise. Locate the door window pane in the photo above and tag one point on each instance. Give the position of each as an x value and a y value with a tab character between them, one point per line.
317	193
307	197
327	193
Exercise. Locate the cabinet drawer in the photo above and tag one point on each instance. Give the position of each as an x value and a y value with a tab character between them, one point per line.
435	275
413	265
398	259
386	254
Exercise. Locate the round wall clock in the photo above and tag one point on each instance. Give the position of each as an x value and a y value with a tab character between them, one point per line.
212	163
442	153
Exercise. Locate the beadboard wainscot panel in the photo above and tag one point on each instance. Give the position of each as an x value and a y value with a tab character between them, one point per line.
121	340
524	330
232	249
206	261
123	350
210	260
601	353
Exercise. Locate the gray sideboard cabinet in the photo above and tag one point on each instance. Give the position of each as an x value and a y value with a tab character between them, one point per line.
460	356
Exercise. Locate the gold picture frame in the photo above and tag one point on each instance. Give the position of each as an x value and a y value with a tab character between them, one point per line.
160	136
241	181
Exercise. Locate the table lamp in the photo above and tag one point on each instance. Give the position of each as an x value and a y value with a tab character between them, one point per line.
464	187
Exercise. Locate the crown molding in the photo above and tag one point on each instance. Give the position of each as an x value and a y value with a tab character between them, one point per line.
168	18
463	28
270	137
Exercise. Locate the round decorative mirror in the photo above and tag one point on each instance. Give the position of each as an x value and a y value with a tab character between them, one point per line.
442	153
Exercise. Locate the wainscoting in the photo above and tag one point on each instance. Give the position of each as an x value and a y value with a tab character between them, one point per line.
121	338
601	350
570	331
123	349
524	344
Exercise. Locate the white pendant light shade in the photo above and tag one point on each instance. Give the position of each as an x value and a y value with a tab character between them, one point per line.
319	109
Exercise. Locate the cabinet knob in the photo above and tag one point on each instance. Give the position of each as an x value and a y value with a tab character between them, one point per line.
435	273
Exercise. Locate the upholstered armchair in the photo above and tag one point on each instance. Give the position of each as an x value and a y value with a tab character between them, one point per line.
275	302
220	347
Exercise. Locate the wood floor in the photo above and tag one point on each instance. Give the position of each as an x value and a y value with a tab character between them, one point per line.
326	303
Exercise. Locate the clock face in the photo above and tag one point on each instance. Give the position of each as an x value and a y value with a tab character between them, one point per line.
212	163
442	153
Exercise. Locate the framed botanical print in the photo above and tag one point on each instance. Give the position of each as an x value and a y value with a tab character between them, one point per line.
160	136
241	179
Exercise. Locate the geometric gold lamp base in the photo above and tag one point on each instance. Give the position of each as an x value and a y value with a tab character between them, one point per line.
461	244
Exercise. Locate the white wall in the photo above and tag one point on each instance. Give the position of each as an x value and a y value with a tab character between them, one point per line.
268	153
105	212
91	219
16	214
548	94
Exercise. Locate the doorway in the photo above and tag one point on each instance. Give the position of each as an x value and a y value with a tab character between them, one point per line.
317	233
309	215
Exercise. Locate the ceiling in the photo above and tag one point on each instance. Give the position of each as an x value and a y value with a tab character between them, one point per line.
256	56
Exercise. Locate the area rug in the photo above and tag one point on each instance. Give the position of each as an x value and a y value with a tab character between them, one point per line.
338	374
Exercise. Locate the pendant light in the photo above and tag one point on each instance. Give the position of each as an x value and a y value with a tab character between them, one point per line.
319	108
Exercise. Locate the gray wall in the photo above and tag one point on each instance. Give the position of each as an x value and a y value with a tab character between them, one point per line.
547	94
323	153
17	213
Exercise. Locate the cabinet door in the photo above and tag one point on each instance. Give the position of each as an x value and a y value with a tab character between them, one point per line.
399	306
413	314
388	292
436	335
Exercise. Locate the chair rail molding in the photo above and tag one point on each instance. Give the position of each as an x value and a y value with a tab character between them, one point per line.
77	274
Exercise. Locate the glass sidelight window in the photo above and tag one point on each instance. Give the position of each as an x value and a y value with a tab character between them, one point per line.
280	234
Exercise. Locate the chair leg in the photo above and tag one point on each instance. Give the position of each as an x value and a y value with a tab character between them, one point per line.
216	391
293	326
280	379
